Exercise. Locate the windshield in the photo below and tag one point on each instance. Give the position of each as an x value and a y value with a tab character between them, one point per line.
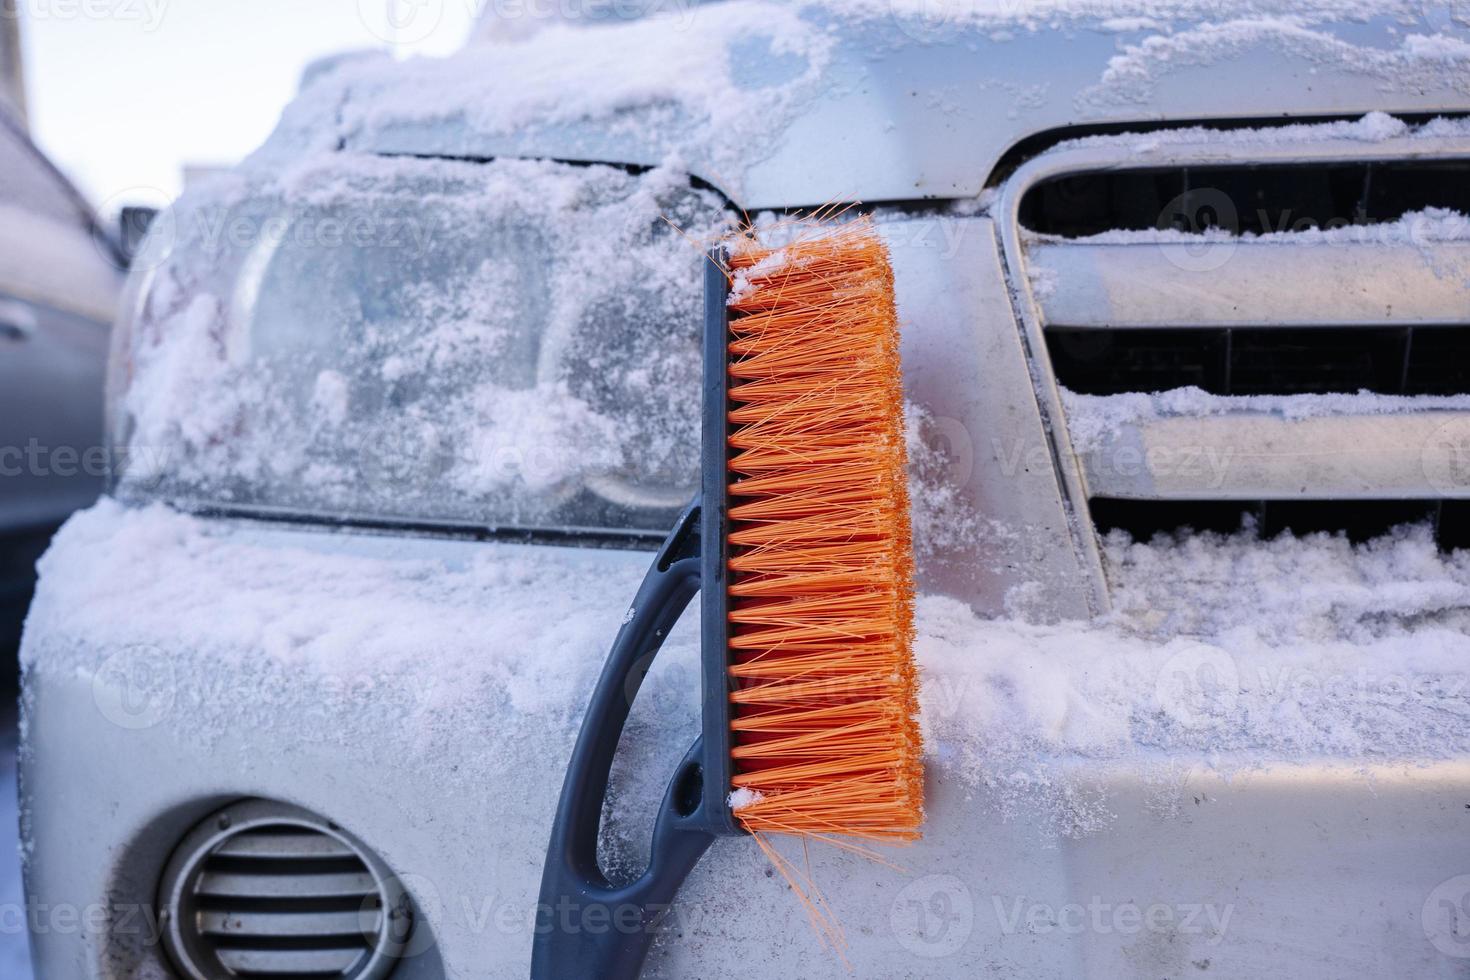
514	343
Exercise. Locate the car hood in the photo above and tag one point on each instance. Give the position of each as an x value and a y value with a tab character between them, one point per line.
791	104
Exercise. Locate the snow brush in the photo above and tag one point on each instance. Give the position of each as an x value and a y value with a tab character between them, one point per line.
799	545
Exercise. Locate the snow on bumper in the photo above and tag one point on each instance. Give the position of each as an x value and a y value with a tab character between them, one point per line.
1104	800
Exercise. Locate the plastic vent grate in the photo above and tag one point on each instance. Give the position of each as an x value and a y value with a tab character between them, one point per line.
265	890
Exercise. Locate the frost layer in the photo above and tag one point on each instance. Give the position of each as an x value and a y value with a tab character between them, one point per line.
1225	649
509	342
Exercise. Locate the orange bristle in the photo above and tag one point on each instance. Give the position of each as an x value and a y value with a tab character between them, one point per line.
824	702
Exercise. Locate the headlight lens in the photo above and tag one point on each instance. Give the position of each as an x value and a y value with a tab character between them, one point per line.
509	343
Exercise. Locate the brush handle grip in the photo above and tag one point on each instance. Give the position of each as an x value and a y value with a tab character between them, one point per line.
585	926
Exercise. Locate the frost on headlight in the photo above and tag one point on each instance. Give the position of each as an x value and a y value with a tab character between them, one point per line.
514	343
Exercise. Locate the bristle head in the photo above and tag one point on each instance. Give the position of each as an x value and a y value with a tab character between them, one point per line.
824	700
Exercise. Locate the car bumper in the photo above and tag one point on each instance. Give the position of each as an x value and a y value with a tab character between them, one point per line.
447	762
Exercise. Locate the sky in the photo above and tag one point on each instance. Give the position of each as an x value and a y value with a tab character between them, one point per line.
123	93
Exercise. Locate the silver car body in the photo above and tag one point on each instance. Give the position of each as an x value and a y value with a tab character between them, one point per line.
1159	860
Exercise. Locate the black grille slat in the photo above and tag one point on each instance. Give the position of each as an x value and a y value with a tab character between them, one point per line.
1359	520
1275	199
1262	198
1111	362
329	941
1437	363
1454	524
1130	200
1402	187
1428	360
1142	519
1317	361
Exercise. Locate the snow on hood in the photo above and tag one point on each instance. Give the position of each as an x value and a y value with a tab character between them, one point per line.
1372	127
796	103
666	84
1222	648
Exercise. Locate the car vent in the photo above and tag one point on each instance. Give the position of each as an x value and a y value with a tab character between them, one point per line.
263	889
1296	265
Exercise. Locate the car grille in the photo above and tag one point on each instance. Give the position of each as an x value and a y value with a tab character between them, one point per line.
1139	276
266	890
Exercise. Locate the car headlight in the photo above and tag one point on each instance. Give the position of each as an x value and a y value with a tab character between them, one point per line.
511	343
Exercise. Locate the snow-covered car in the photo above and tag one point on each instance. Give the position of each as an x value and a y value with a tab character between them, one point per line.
59	282
404	401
